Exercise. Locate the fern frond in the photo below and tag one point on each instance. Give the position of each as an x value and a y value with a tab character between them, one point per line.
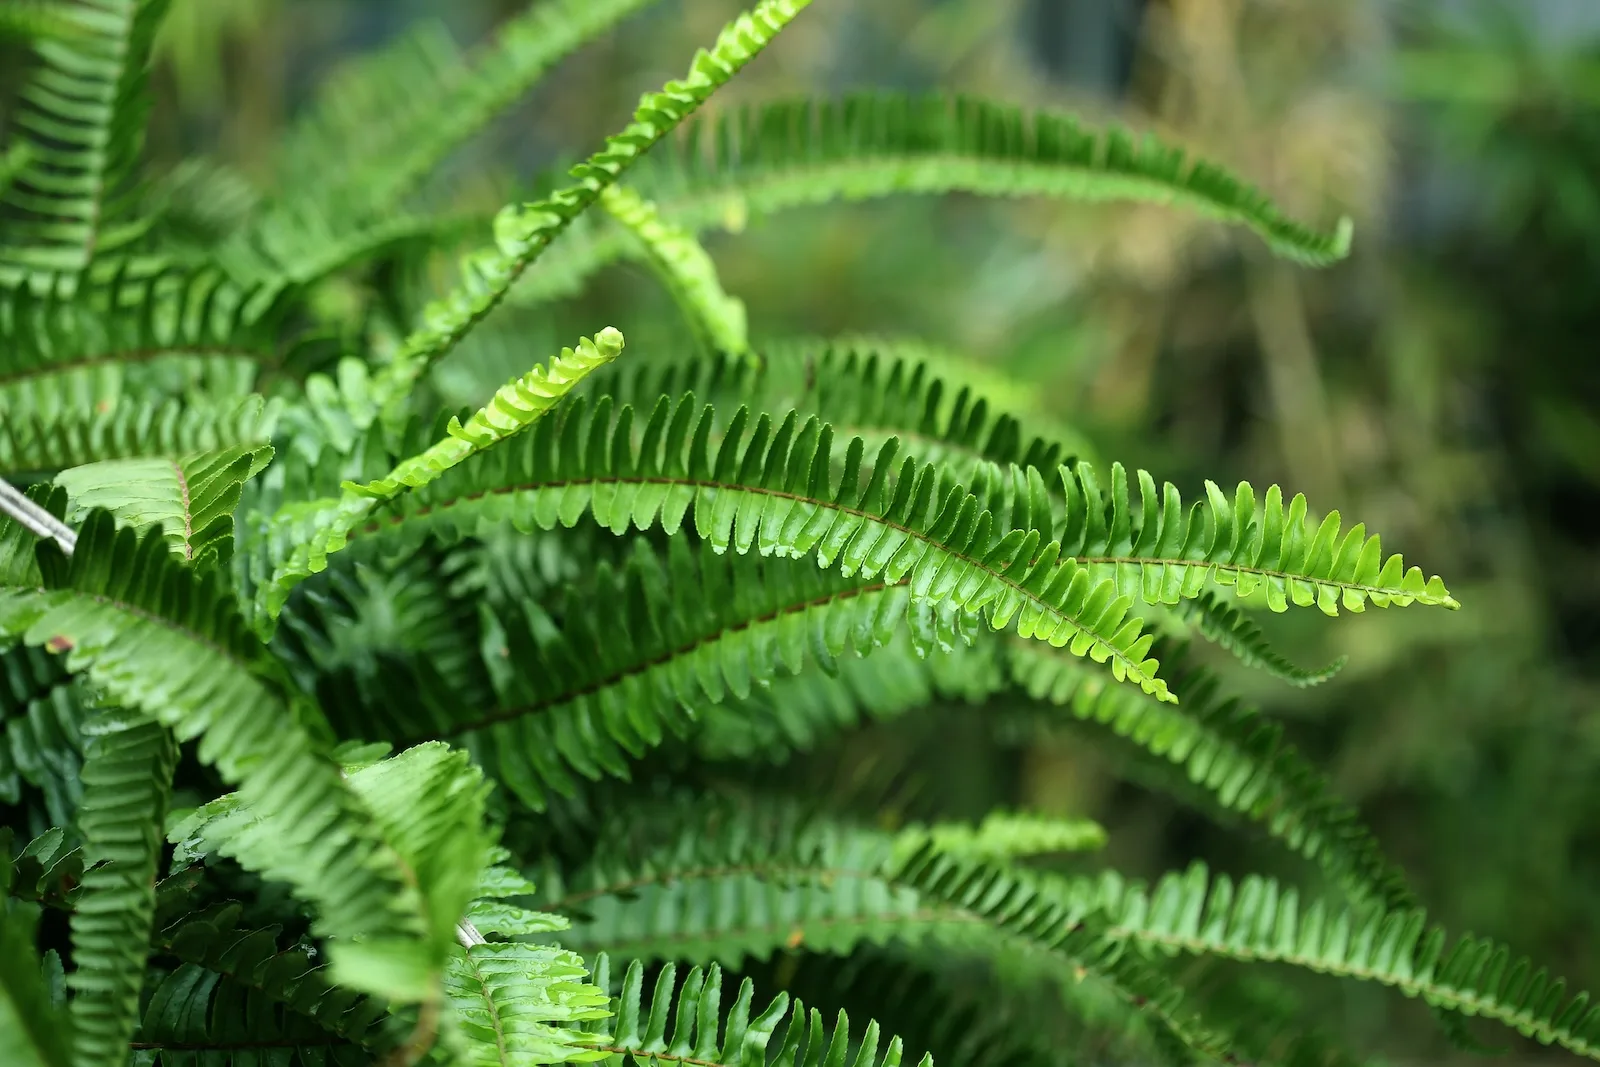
200	673
32	1031
771	488
1158	554
1233	752
685	268
697	1024
767	157
1259	920
30	19
83	120
514	1004
522	232
43	741
517	405
1223	624
168	430
127	778
1003	836
191	499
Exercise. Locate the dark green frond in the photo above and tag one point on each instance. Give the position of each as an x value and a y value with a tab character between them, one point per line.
1218	621
168	430
83	121
767	157
43	743
127	778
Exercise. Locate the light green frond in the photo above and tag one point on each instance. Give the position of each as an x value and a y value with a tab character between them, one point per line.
83	118
201	674
191	499
1003	836
1220	622
166	430
517	405
685	268
763	158
127	779
513	1004
1259	920
522	232
696	1030
1156	553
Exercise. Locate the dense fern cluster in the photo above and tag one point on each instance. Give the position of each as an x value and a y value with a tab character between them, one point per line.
343	727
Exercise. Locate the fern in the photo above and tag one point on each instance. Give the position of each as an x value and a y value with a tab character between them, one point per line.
34	1031
167	430
1221	622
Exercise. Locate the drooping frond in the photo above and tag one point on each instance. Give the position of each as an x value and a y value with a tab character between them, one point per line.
127	778
1233	752
1159	554
685	268
771	488
156	637
83	121
1259	920
33	1032
695	1029
168	430
1220	622
191	499
523	231
517	405
782	154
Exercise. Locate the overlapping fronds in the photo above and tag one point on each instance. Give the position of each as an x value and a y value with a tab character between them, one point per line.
1220	622
771	487
127	778
201	673
1259	920
168	429
1157	553
83	121
695	1029
1232	751
685	268
781	154
517	405
522	232
190	499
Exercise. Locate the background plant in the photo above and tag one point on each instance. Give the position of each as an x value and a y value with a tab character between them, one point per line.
149	301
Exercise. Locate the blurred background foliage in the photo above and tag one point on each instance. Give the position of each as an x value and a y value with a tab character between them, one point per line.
1442	385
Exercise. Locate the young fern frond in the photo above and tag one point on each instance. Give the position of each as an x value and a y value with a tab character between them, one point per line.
83	120
700	1034
191	499
1232	751
1259	920
127	779
685	268
1221	623
516	406
522	232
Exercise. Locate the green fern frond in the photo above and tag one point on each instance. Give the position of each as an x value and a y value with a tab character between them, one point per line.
1233	752
763	158
191	499
127	779
522	232
1223	624
202	674
43	745
1259	920
83	119
167	430
1003	836
33	1031
685	268
517	405
514	1004
30	19
1157	554
771	488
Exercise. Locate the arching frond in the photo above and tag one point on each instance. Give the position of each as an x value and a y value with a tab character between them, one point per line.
83	121
771	487
190	499
1232	751
781	154
523	231
700	1033
1218	621
685	268
127	778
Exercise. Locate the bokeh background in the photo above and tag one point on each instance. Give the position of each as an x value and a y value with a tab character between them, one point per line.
1442	385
